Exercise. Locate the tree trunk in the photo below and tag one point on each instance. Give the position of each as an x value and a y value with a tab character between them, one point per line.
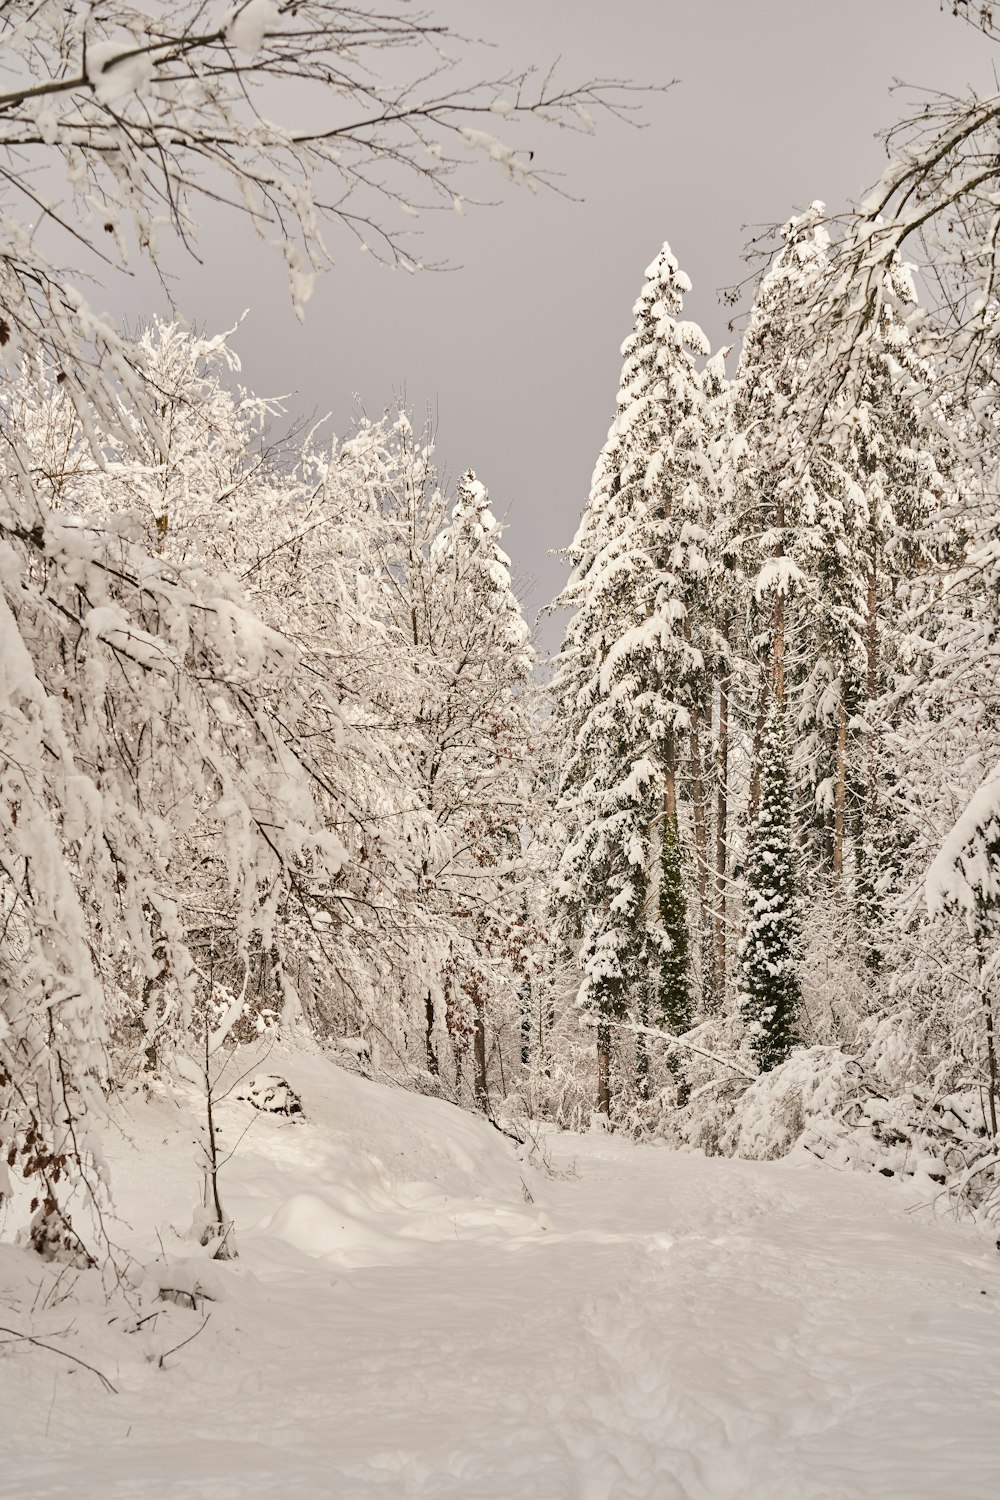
642	1054
778	649
479	1056
152	992
700	817
758	746
226	1249
721	849
778	625
871	684
603	1067
991	1050
700	810
670	777
432	1057
527	1017
840	791
871	636
777	673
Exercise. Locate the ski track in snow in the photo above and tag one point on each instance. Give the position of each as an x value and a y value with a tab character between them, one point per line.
683	1329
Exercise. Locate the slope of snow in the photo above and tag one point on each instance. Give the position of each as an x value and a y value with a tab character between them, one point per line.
416	1312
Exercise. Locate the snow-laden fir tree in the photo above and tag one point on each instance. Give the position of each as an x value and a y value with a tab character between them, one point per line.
769	951
875	478
835	502
771	458
631	672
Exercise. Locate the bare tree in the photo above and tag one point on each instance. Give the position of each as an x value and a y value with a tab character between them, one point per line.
119	123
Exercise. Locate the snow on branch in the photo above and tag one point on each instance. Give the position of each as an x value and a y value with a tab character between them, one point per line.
673	1041
131	122
965	875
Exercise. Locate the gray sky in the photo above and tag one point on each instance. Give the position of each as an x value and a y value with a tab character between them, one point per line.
516	350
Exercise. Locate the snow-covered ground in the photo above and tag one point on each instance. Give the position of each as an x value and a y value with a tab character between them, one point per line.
417	1312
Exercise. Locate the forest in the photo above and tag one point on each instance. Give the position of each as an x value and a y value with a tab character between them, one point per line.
279	757
430	1066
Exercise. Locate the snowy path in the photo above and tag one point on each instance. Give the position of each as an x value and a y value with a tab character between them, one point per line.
683	1330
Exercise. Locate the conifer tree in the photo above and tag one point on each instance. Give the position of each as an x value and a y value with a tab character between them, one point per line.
631	671
834	503
771	458
769	985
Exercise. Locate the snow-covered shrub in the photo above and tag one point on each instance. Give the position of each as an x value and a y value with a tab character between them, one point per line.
366	1053
939	1143
918	1044
827	1104
704	1121
814	1084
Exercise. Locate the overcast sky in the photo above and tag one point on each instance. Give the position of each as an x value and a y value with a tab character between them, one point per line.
516	350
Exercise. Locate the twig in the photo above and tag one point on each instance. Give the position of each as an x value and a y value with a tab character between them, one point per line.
28	1338
167	1352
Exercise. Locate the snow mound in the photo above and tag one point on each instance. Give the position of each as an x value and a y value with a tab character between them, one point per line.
359	1176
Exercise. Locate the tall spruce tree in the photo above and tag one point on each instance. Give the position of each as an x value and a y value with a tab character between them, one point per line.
630	675
771	458
834	503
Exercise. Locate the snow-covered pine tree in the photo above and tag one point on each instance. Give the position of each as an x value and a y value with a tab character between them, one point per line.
771	459
842	496
721	598
875	472
631	676
769	986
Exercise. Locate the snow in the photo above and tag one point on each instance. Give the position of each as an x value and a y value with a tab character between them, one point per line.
113	73
418	1312
248	23
964	874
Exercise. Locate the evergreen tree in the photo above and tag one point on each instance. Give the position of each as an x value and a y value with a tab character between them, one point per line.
835	503
630	673
771	458
769	951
